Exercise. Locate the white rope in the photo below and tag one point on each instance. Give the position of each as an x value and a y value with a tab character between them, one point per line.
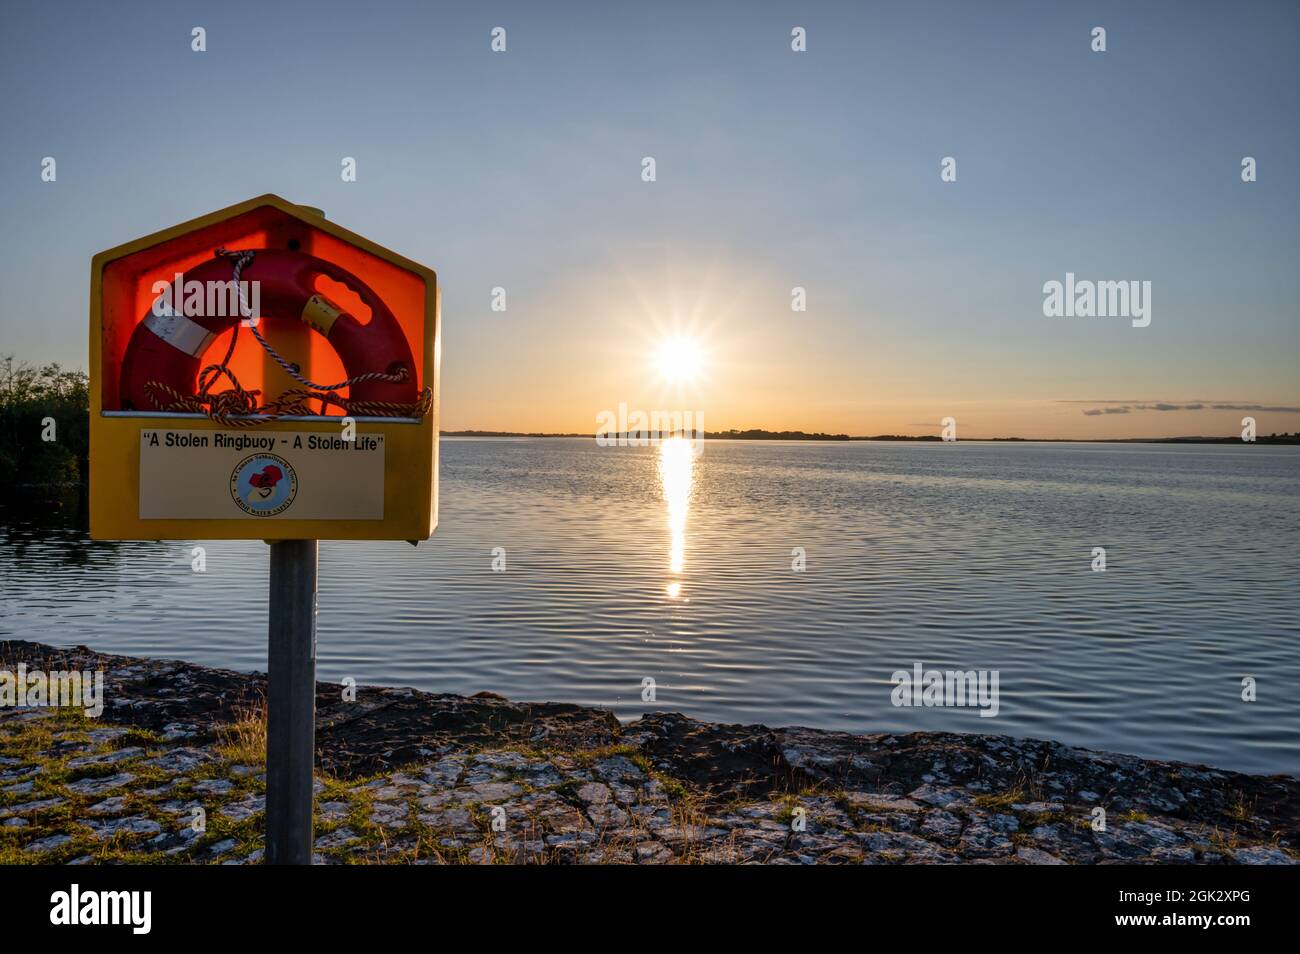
242	258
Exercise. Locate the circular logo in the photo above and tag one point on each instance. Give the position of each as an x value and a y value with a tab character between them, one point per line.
264	485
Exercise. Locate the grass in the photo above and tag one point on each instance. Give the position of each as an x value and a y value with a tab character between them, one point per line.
1003	801
1240	811
244	740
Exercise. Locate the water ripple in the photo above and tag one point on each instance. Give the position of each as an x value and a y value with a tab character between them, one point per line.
966	556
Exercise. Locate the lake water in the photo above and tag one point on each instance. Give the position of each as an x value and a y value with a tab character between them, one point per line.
623	564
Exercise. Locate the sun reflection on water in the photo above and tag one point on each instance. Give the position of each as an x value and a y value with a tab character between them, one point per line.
676	475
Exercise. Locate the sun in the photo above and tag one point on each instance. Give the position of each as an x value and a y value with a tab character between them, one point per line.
679	360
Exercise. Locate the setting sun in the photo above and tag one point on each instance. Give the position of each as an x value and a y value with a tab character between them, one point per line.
679	360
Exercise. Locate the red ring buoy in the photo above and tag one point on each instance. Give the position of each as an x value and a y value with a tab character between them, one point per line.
168	349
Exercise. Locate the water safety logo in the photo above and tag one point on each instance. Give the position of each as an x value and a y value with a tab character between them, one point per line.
264	485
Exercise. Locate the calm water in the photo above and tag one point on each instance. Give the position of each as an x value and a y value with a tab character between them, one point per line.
623	564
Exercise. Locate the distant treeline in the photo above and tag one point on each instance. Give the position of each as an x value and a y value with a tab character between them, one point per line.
506	434
754	434
758	434
44	424
762	435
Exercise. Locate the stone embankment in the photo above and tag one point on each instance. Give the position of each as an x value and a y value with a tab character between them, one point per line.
172	772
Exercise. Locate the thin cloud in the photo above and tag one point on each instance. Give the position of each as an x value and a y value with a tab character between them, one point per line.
1125	407
1255	407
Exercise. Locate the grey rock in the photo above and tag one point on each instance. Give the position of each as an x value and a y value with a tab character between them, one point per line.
27	808
681	836
47	844
390	814
333	811
875	801
213	786
341	838
571	839
446	772
981	840
180	760
1036	856
542	775
1134	839
483	775
607	815
1004	823
457	820
1263	856
98	786
652	853
109	806
243	810
216	849
937	797
105	758
504	762
618	768
594	793
175	842
941	826
131	826
494	791
104	734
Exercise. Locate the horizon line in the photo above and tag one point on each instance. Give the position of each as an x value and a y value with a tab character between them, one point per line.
760	434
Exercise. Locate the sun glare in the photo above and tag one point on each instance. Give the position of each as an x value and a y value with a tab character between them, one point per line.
679	360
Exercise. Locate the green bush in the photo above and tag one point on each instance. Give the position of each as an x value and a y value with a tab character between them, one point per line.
29	397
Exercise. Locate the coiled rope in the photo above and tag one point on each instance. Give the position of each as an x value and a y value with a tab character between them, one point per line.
238	407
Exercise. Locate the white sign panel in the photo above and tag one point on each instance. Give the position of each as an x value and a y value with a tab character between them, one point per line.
266	475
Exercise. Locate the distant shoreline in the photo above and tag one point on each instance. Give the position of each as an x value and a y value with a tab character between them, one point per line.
760	435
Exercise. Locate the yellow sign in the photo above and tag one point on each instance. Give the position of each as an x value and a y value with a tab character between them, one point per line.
262	373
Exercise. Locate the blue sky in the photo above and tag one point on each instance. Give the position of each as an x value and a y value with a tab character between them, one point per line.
774	169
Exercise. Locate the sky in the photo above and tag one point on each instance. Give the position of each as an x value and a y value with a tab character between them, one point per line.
774	169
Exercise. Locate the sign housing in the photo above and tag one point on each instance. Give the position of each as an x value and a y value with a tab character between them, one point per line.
164	474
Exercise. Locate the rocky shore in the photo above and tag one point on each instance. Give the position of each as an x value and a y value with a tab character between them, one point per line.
172	772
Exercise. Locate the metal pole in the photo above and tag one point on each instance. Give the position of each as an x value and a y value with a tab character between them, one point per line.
291	702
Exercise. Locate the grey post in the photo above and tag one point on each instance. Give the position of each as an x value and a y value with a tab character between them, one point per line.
291	702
